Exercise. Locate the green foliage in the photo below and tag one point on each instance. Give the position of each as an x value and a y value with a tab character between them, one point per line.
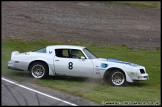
141	4
93	89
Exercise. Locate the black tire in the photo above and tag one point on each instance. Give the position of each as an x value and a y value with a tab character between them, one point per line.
117	78
39	70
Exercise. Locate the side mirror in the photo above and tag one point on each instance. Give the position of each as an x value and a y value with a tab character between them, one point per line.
82	57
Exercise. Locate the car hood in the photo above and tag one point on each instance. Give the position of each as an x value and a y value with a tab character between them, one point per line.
117	61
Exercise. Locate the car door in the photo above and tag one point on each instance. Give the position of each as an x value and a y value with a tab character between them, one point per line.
66	65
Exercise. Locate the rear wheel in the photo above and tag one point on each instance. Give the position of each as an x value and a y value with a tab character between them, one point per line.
117	78
38	70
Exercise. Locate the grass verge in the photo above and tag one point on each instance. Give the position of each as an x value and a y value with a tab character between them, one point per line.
140	4
92	89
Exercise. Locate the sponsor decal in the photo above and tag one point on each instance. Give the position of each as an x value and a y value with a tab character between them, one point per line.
97	72
50	52
103	65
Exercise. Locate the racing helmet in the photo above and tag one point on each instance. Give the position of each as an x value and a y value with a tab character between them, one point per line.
75	53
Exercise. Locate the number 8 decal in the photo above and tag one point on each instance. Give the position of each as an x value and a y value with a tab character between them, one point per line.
70	65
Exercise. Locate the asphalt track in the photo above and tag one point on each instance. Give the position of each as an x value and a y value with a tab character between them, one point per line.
16	94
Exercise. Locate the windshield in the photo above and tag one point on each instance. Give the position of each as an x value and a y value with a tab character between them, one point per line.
89	54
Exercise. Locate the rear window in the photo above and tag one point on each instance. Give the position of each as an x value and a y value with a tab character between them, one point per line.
42	50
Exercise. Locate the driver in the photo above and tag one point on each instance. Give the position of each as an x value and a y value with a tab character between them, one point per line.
74	53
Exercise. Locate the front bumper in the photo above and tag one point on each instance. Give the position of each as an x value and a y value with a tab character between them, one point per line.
137	76
142	77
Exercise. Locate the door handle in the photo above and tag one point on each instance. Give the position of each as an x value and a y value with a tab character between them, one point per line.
56	60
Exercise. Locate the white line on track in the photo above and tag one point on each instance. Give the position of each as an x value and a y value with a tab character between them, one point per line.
38	92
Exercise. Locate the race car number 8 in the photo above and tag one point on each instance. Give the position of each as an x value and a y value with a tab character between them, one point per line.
70	65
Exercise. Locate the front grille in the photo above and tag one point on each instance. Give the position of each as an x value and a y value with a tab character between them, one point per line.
142	71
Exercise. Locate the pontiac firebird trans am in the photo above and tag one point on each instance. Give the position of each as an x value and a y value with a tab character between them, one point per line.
76	61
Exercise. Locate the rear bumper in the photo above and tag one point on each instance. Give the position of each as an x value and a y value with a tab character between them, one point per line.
11	65
15	68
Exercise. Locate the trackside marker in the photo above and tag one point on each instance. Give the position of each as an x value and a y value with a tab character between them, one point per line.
38	92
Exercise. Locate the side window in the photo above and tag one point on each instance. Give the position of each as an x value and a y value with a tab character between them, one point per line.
74	53
81	54
62	53
58	52
69	53
65	53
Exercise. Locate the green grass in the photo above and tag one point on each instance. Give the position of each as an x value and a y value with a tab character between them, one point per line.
141	4
93	89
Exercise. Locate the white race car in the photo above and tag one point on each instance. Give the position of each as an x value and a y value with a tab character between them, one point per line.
76	61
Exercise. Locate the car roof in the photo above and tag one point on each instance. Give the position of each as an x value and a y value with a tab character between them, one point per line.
65	47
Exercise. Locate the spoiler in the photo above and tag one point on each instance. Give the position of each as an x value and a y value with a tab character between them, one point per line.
14	53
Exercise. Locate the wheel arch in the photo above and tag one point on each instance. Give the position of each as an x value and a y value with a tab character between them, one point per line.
50	70
38	61
108	71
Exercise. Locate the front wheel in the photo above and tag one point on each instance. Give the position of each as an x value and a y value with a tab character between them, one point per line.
38	70
117	78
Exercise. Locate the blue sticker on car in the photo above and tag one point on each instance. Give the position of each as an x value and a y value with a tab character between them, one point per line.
50	52
122	62
103	65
